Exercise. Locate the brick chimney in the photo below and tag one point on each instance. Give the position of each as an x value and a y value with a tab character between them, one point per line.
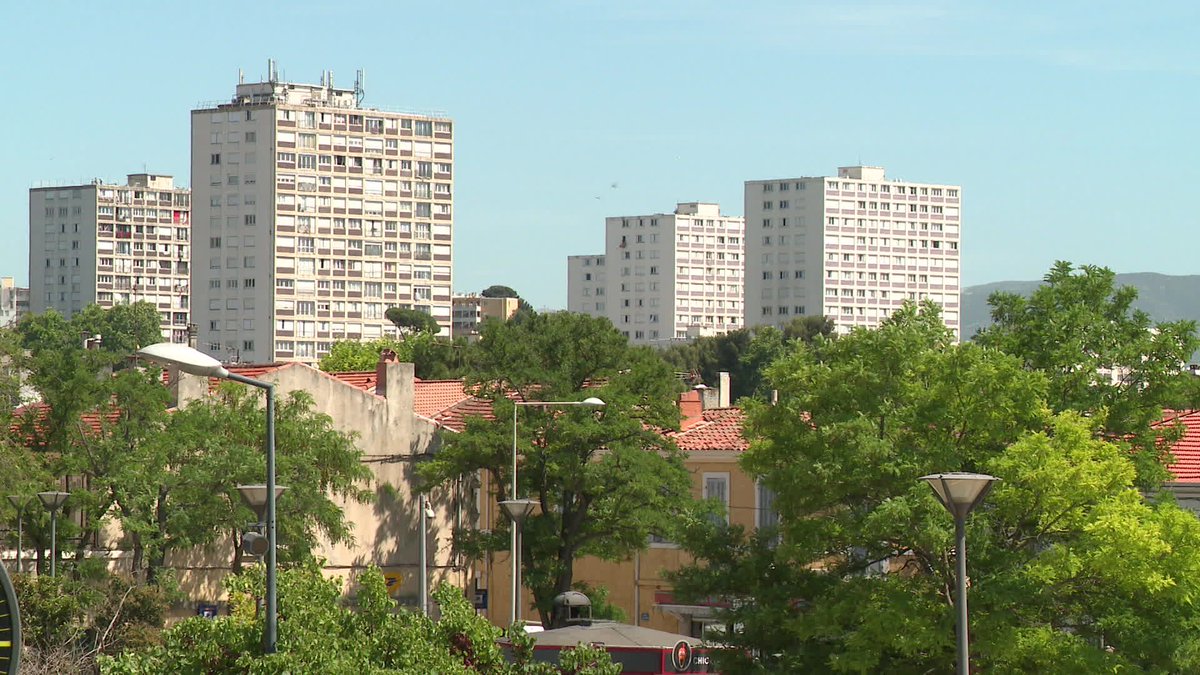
691	408
385	357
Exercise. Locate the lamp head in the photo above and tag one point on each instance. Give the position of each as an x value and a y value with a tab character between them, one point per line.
255	496
53	501
960	492
185	358
593	402
518	509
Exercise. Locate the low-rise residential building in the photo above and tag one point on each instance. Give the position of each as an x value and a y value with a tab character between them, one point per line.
14	302
471	311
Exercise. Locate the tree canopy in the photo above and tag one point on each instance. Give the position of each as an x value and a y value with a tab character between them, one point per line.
1069	564
605	478
411	321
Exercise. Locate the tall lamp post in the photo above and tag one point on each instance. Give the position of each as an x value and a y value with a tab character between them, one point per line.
19	502
53	501
519	509
195	362
960	493
425	516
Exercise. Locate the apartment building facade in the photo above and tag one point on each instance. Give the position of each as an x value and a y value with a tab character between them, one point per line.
110	244
852	247
314	216
14	301
471	311
668	276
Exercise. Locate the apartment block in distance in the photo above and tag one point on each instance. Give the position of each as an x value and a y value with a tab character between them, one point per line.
314	215
669	276
471	311
852	247
112	244
14	302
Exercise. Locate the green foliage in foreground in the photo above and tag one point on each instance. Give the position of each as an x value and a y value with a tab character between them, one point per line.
1072	569
318	634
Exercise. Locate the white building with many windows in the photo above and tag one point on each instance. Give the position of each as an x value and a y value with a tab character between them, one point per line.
110	244
852	247
666	276
313	216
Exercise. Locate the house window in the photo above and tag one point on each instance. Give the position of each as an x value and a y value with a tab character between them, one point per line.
716	487
767	516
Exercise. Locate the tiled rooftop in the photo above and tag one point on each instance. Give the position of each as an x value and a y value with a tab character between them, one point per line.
1186	467
716	429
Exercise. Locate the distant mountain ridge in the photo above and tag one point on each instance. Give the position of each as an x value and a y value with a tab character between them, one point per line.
1164	297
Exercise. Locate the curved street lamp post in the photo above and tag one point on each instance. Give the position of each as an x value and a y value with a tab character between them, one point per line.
195	362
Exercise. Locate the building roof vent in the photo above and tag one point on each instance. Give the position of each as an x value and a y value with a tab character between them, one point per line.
572	608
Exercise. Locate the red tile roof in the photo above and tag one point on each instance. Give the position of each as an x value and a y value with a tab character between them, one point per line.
717	429
431	397
455	417
1186	451
364	380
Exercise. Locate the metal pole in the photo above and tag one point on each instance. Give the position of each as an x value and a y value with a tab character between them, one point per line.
20	522
271	627
515	542
517	586
424	577
272	624
53	542
960	532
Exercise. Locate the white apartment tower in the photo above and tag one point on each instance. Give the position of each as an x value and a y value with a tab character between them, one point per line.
111	244
664	277
314	215
852	247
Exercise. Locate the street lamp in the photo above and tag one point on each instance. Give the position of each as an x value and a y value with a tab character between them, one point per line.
591	402
53	501
960	493
425	516
255	496
19	502
192	361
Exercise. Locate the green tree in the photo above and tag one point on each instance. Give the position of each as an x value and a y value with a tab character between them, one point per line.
433	358
321	635
1102	356
412	321
1069	564
743	353
605	479
216	443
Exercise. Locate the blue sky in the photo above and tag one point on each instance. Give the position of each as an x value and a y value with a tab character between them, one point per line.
1070	125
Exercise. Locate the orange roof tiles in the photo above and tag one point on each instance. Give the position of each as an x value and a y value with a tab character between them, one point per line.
364	380
716	429
1186	451
431	397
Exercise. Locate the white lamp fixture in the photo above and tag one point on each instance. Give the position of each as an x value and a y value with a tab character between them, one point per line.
185	358
53	501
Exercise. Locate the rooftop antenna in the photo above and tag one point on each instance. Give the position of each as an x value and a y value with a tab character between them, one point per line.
241	77
331	80
360	83
271	71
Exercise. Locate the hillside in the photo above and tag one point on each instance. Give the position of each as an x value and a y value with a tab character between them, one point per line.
1162	296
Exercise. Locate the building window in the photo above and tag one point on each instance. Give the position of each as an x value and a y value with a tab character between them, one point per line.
215	158
716	488
767	516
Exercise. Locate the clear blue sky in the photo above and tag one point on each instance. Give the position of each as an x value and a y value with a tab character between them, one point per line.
1071	125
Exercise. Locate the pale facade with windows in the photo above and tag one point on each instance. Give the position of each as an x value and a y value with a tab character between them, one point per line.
111	244
667	276
587	279
852	247
314	216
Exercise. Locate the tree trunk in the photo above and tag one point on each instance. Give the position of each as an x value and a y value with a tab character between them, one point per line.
237	552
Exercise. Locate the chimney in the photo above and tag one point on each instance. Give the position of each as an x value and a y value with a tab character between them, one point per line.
691	408
723	389
385	357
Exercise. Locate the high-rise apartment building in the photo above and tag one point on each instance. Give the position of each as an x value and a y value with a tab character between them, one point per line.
587	283
852	247
314	215
663	277
112	244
